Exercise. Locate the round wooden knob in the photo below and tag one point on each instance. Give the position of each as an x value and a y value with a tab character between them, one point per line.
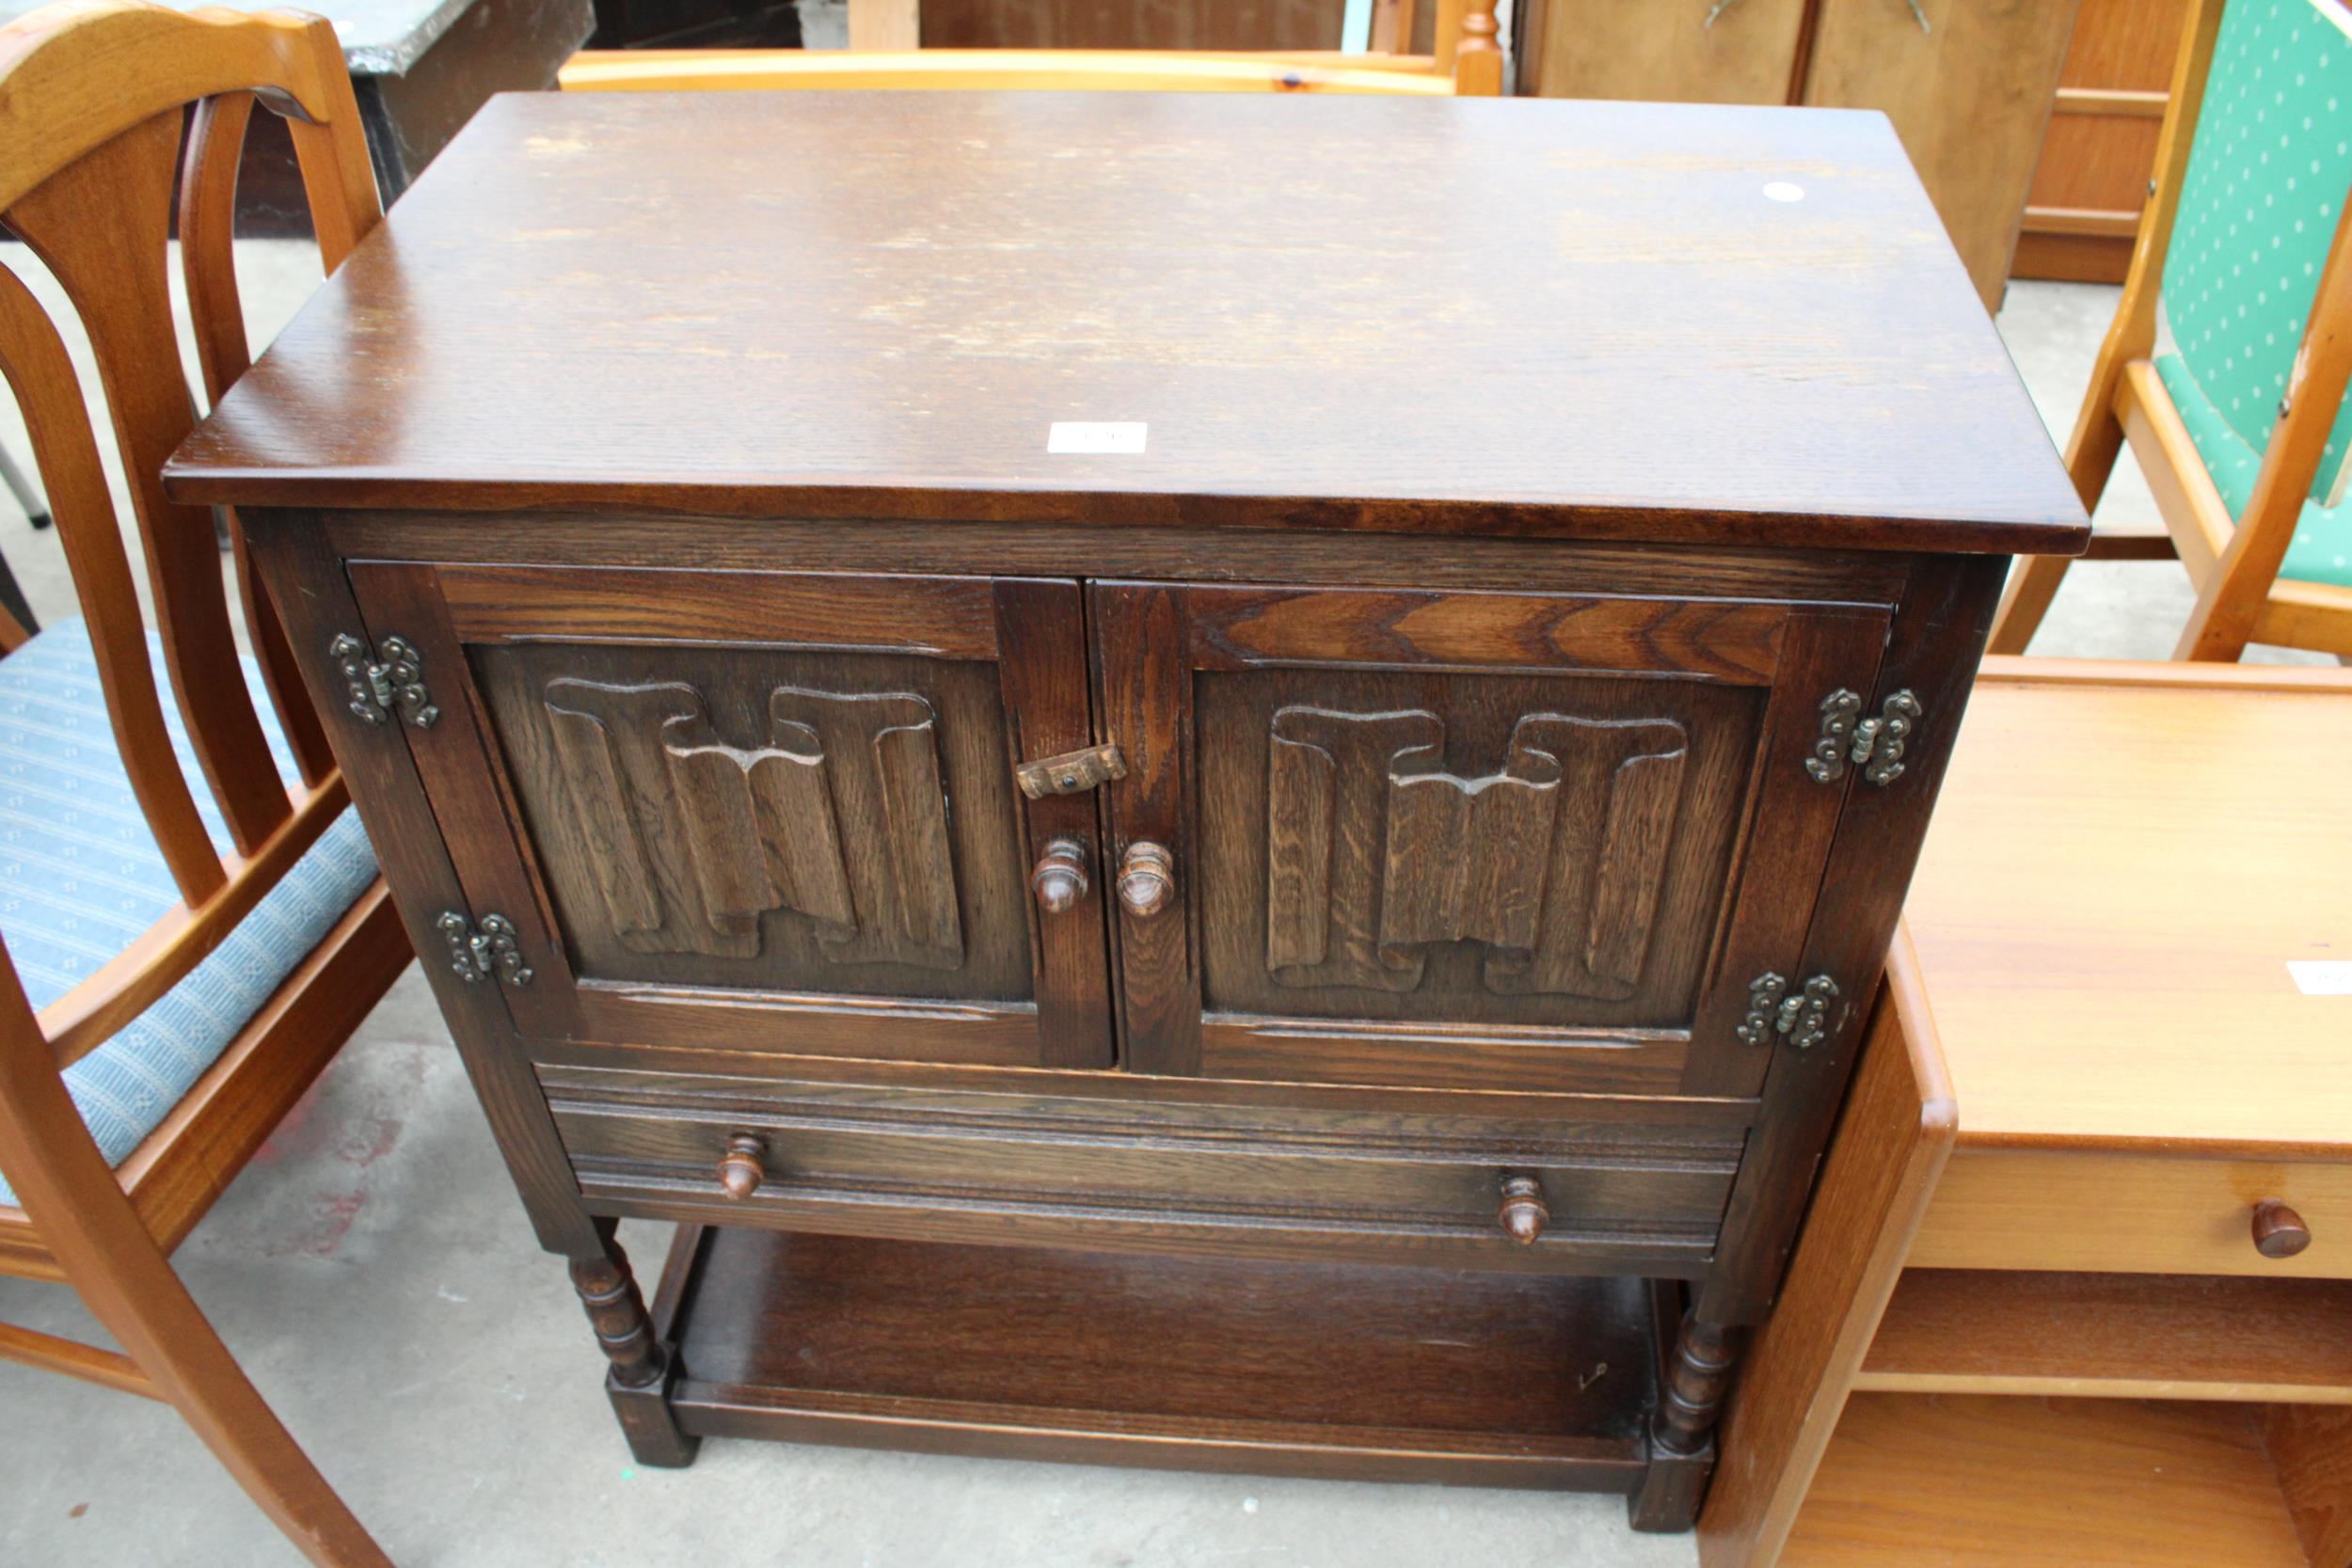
2279	1230
1523	1214
1060	878
1147	879
739	1169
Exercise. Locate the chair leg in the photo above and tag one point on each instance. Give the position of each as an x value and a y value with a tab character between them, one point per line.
112	1259
173	1342
2026	600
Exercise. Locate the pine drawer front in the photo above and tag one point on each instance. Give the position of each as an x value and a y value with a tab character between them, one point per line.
1643	1198
2134	1213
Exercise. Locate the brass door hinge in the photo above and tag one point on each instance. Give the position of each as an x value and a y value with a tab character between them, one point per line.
480	953
380	687
1802	1018
1876	745
1072	773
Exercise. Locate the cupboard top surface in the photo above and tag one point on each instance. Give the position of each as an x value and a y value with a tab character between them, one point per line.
1487	317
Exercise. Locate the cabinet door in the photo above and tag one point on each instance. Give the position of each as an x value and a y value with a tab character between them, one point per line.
763	811
1470	840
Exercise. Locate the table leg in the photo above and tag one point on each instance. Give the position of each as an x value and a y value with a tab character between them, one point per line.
638	1381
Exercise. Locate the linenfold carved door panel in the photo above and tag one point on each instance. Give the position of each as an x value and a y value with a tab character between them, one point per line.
1467	839
764	811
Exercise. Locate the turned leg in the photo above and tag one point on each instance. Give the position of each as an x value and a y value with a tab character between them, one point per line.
638	1381
1693	1376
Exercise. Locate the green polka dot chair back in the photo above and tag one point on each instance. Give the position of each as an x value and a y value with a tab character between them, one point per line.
2266	182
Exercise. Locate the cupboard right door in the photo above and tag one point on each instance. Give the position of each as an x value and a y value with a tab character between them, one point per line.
1471	840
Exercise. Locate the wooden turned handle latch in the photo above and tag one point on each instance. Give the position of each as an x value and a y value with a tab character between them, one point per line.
740	1170
1523	1213
1060	878
1070	773
2279	1230
1147	879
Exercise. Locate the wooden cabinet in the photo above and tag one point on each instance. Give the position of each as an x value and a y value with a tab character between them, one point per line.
1968	84
1318	886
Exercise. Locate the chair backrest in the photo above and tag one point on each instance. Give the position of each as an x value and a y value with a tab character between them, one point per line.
94	96
2268	174
1466	61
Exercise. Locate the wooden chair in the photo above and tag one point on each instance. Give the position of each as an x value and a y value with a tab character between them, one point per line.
179	969
2241	427
1467	61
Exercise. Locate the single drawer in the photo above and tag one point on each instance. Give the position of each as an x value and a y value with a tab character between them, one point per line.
1607	1196
2008	1209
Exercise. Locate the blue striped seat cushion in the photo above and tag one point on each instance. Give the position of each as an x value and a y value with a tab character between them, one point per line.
81	877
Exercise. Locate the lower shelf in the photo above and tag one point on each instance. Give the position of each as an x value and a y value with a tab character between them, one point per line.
1990	1481
1287	1368
2164	1336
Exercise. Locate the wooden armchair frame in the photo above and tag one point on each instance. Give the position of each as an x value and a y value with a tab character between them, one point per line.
1467	61
2235	564
93	94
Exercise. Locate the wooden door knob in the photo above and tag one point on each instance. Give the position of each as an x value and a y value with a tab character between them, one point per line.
2279	1230
1147	879
1060	878
740	1171
1523	1213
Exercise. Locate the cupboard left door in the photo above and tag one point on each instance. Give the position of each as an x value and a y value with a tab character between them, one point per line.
763	812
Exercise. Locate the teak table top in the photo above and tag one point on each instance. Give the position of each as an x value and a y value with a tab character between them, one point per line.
2123	862
1581	319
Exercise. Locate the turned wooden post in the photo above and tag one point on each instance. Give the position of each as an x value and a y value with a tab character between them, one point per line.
1478	54
608	1291
1696	1378
1694	1371
640	1364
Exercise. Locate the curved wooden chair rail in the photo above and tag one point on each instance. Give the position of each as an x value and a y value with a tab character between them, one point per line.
2234	562
93	98
1467	61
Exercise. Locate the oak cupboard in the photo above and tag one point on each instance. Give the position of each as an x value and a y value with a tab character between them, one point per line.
1151	881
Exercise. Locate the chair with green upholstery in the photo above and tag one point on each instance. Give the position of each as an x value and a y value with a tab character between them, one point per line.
2238	417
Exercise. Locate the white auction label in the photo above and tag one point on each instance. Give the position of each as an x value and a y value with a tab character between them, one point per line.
1096	435
2322	976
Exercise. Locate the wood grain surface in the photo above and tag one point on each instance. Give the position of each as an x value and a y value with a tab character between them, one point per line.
1560	318
1991	1483
2092	919
2311	1451
2037	1207
2128	1335
1969	87
1892	1143
1391	1373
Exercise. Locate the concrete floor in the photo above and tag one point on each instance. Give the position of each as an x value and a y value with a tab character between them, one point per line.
373	1271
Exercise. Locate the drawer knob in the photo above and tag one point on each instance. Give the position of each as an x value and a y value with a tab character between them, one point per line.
1147	879
1060	878
739	1169
2279	1230
1523	1214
